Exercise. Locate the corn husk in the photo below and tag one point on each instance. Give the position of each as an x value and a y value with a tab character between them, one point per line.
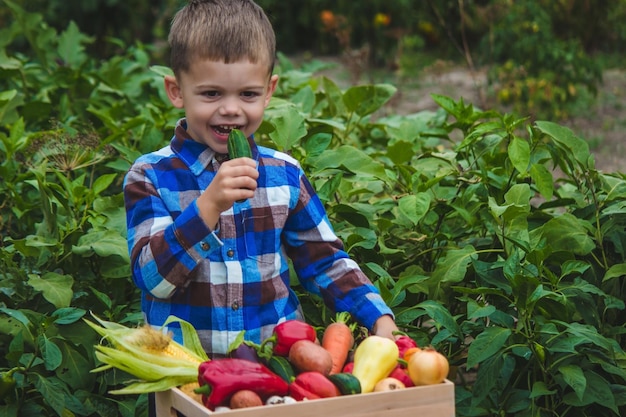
150	355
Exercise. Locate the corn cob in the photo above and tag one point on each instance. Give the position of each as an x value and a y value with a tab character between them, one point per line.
148	354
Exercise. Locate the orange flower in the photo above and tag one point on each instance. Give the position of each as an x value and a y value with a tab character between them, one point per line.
382	19
328	18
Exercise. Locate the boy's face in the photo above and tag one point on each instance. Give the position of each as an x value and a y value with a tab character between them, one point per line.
218	97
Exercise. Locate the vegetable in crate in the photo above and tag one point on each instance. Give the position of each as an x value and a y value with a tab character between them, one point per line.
400	373
149	355
347	383
221	378
338	340
287	333
405	343
388	384
281	367
374	358
312	385
427	367
306	355
244	399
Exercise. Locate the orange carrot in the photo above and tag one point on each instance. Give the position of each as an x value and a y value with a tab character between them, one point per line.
338	340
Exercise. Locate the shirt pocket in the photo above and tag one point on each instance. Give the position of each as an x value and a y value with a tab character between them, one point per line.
262	228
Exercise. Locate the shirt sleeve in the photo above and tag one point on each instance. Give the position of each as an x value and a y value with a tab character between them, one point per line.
322	264
164	246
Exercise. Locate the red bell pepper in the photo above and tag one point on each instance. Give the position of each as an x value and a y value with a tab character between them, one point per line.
404	343
219	379
312	385
400	373
287	333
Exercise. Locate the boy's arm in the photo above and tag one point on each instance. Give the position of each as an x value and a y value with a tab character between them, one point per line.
163	251
164	248
324	267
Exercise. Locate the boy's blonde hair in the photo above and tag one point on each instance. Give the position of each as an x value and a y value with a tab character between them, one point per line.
221	30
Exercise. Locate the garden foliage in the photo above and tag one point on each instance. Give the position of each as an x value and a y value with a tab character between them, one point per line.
493	238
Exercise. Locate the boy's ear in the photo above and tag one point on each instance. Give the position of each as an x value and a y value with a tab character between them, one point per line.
173	90
271	88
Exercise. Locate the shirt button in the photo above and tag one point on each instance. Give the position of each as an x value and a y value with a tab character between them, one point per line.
230	253
235	306
205	246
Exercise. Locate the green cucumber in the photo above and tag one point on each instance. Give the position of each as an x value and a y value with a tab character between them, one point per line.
347	383
281	367
238	146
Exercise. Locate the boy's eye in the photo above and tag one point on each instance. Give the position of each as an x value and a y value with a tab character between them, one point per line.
210	93
249	94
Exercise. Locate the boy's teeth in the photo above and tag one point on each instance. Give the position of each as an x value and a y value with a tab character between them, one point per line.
225	129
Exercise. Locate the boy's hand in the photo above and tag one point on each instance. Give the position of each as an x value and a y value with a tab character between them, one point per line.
385	326
235	180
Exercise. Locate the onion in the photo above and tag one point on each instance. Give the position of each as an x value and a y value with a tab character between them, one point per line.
428	367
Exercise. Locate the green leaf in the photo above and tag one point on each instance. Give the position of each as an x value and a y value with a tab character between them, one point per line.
334	96
441	316
102	183
575	378
17	315
353	159
53	392
68	315
366	99
565	233
519	153
55	288
487	344
72	368
289	124
543	180
598	391
453	267
567	141
414	207
71	49
615	271
540	389
398	152
102	243
161	70
50	352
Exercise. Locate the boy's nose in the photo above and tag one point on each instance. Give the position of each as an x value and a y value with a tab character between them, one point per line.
230	106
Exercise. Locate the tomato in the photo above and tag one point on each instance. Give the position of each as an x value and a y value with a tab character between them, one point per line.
428	367
410	352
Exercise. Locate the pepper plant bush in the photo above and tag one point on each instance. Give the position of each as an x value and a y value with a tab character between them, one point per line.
494	239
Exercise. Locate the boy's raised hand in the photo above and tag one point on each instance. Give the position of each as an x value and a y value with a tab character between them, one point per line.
235	180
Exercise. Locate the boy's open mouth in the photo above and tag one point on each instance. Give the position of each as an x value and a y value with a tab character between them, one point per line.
225	129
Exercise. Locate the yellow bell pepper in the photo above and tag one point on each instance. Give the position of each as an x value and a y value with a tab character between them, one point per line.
374	358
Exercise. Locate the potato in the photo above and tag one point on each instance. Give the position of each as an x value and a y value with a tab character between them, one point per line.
245	398
306	356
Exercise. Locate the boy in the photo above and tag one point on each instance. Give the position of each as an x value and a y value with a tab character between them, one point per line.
196	252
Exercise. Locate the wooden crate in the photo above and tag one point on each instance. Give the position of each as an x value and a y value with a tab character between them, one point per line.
431	400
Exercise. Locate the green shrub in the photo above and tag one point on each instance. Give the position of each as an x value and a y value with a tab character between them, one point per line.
458	217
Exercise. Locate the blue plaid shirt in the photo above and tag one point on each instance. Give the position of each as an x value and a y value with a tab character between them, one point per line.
237	277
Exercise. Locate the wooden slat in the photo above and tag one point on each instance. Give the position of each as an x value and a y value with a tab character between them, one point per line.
432	400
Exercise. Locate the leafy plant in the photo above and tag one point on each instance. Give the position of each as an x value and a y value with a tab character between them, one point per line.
493	237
